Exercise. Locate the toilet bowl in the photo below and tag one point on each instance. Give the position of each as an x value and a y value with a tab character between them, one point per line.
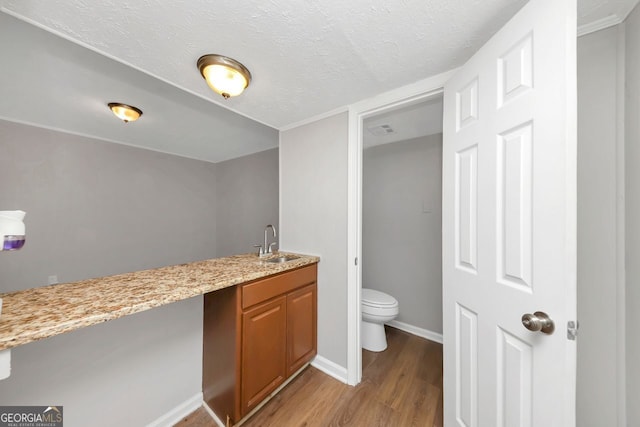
377	309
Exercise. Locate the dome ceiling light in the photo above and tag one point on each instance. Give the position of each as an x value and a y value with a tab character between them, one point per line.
224	75
124	112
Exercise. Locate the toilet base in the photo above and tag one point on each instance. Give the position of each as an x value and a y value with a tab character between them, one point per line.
372	336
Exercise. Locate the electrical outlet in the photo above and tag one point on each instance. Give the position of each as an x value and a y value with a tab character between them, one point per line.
53	280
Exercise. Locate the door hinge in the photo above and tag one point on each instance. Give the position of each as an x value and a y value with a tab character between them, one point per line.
572	330
356	261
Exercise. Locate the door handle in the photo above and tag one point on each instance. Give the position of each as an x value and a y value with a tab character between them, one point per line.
538	321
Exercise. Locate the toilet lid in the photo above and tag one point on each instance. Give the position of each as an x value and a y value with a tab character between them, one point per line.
376	298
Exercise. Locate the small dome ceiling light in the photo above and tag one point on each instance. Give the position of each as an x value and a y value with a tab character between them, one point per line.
124	112
224	75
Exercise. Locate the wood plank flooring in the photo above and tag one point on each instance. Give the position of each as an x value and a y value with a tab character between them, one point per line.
400	387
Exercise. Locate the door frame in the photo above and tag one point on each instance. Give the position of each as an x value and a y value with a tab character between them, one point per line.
404	96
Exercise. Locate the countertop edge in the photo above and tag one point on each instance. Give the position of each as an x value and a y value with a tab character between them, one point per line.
15	331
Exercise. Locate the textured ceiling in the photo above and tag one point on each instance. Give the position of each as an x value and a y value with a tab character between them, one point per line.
307	58
424	118
594	11
51	82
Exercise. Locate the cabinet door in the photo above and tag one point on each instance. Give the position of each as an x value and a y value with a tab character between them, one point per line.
301	327
263	351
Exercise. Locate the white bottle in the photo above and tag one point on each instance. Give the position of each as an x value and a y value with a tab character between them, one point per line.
12	230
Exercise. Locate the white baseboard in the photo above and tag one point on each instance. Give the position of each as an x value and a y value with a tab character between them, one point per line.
332	369
424	333
179	412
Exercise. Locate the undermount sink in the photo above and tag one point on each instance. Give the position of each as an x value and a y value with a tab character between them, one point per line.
281	259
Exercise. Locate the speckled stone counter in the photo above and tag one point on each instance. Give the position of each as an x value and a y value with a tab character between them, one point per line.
46	311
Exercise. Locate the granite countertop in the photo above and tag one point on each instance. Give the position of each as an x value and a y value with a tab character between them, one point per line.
46	311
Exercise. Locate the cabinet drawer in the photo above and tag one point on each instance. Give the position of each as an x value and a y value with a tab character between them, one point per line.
265	289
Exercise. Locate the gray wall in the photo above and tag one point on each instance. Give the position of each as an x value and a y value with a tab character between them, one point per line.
313	218
597	217
402	227
247	200
125	372
632	182
96	208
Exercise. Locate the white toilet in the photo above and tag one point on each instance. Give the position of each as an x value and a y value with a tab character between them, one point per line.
377	309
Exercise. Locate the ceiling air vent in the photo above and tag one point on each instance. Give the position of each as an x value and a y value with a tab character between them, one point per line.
381	130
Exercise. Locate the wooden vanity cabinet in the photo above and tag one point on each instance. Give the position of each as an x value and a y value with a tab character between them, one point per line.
255	336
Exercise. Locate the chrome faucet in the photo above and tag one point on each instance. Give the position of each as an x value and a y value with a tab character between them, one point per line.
266	249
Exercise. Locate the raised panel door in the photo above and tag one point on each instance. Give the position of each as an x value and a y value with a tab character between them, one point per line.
301	327
263	352
509	221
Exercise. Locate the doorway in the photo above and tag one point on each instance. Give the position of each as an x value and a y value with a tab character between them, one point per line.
402	213
406	97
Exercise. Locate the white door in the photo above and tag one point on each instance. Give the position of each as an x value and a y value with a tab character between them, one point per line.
509	224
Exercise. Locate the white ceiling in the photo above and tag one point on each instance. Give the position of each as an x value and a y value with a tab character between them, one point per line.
597	14
307	58
51	82
414	121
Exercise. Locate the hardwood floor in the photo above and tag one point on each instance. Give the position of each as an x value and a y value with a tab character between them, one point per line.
400	387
